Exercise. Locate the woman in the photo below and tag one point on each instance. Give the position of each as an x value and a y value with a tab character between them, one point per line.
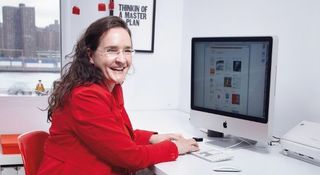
90	131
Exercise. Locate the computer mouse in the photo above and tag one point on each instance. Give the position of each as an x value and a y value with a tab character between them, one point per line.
226	168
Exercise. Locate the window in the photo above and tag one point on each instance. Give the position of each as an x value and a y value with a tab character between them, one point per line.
29	46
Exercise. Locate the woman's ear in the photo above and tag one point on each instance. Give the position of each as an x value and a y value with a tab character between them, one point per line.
90	55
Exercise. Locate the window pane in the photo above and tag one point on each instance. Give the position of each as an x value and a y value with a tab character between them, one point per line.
29	46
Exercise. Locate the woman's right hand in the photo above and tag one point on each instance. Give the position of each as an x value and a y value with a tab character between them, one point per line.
186	145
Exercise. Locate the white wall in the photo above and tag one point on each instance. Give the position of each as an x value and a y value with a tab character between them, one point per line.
155	83
22	113
297	25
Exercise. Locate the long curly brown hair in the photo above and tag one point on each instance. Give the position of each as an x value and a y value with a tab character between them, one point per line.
80	71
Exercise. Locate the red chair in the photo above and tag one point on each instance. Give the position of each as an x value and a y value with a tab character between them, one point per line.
31	145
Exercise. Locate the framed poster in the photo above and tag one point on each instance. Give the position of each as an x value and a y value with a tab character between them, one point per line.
140	17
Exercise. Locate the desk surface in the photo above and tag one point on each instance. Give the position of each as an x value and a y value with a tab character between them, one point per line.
252	161
10	159
262	160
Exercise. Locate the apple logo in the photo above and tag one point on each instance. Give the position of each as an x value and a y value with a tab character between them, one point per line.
225	124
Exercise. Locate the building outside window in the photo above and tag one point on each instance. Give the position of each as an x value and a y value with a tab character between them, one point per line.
29	46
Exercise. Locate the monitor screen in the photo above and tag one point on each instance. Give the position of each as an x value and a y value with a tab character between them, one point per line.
231	77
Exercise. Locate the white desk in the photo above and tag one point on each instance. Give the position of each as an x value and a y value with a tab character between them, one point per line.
10	159
254	161
257	160
11	164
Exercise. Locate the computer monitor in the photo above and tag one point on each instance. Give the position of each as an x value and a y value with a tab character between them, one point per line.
233	85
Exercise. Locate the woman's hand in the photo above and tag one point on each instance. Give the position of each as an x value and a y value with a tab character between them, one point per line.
156	138
186	145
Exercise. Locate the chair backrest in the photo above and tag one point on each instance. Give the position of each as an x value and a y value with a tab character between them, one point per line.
31	145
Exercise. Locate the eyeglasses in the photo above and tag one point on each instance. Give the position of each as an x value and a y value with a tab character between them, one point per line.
113	52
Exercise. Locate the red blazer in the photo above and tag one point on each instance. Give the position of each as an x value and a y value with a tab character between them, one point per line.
92	134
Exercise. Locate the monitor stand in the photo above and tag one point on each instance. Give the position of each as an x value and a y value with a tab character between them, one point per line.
228	141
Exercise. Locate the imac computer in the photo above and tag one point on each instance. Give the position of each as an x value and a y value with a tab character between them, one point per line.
233	86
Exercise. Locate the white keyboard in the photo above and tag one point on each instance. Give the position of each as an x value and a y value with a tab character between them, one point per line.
212	154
